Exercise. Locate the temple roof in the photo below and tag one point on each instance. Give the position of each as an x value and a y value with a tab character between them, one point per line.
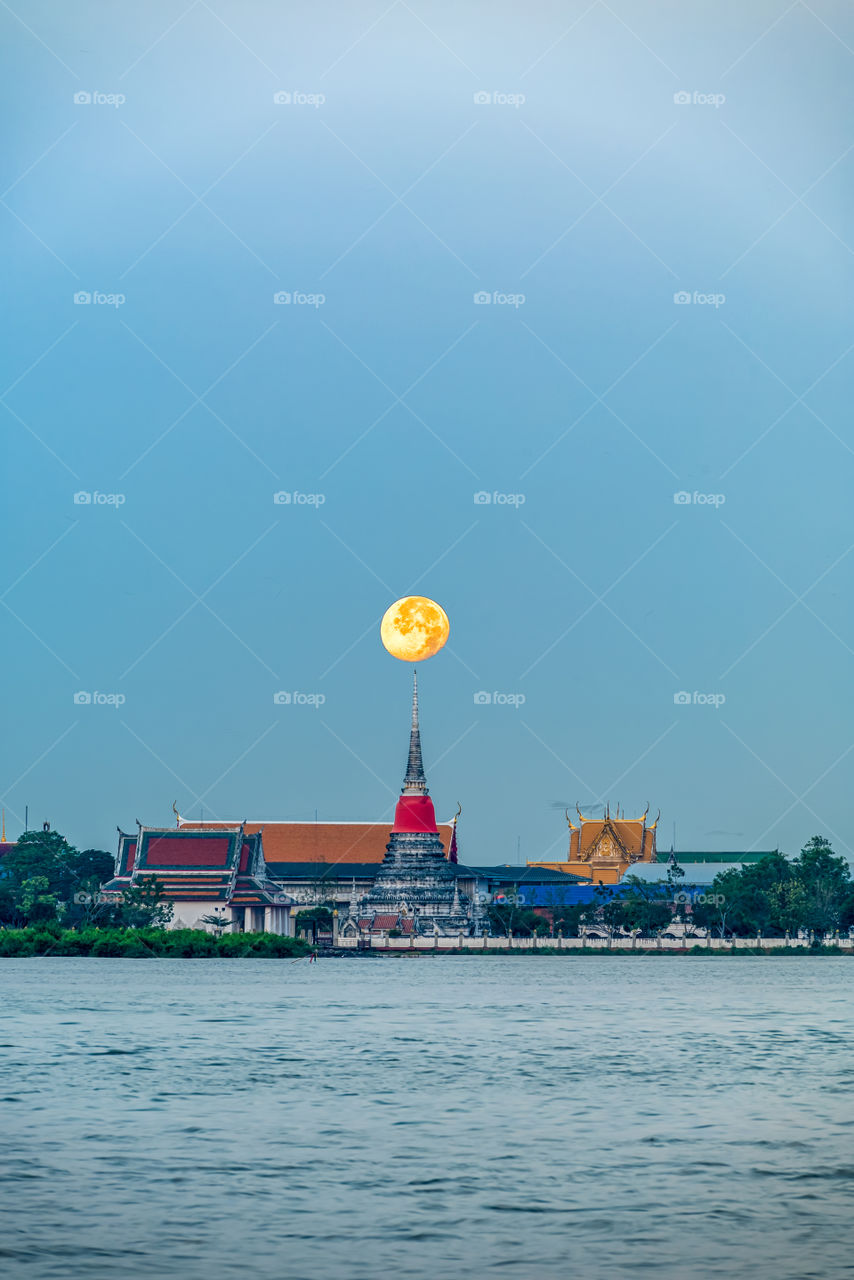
187	850
630	833
702	856
521	875
325	842
342	871
387	921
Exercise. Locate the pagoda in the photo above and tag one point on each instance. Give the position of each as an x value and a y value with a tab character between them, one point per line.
416	881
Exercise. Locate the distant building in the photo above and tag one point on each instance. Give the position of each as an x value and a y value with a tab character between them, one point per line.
700	867
602	850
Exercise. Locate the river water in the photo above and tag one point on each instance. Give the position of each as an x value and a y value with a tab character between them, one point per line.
514	1117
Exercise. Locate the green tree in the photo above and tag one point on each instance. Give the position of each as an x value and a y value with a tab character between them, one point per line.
515	920
37	903
641	907
570	919
826	881
41	853
143	905
315	920
775	895
675	876
70	874
218	923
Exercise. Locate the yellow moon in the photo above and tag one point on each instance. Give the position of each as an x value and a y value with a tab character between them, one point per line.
414	628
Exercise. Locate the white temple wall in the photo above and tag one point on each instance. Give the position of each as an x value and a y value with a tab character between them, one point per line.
584	944
187	915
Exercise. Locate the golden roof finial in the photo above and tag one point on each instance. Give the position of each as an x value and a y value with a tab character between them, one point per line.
569	821
3	836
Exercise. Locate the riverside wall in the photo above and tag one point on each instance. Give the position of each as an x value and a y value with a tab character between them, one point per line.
585	944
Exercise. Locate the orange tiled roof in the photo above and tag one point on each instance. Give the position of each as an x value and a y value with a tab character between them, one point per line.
319	841
632	834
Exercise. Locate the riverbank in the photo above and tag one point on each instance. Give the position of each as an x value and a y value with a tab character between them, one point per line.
188	944
147	943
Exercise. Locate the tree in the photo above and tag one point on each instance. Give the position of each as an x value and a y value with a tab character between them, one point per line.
73	878
570	919
10	912
216	922
647	917
315	920
42	853
143	905
775	895
642	907
826	881
675	876
515	920
36	901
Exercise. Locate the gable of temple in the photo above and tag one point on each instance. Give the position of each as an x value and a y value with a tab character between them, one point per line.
604	849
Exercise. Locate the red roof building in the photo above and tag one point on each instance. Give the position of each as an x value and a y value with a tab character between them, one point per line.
219	872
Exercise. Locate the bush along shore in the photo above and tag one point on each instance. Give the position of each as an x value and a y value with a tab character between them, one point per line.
142	944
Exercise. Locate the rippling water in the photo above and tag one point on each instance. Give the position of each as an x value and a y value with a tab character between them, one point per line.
460	1117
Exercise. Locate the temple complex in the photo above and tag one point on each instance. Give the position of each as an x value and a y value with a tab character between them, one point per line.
256	876
602	850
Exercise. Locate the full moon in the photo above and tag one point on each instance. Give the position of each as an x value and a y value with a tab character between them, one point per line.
414	628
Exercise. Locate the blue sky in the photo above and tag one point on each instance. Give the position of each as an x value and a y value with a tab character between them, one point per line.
654	203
